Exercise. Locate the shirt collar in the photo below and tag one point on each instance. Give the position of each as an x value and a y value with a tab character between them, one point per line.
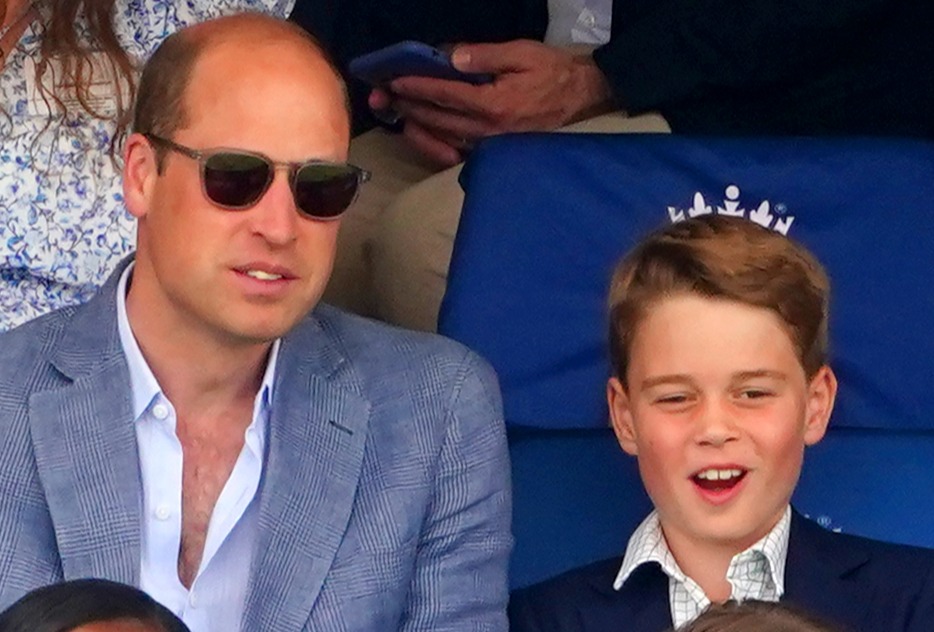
143	384
773	547
648	545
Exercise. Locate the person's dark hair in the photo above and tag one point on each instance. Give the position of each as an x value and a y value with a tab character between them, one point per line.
160	100
756	616
63	607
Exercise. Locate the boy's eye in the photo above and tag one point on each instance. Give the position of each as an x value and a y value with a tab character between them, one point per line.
754	393
673	399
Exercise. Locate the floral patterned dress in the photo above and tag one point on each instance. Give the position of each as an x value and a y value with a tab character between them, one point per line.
63	226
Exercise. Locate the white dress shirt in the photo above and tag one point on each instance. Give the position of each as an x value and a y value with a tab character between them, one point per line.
578	22
216	599
756	573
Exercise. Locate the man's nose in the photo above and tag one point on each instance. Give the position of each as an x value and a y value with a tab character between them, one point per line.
275	216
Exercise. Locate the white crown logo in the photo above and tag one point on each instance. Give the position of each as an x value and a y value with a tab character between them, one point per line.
761	215
826	522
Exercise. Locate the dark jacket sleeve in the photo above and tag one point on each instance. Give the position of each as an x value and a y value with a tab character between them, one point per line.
680	47
523	615
774	63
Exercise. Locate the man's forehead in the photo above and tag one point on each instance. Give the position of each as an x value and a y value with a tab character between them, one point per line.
232	44
249	75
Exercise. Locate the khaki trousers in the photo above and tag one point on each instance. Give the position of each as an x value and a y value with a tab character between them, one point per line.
395	243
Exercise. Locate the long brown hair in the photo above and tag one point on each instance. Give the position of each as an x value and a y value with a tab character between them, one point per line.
61	40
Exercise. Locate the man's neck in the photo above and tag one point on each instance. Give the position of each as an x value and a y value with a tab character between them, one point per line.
197	370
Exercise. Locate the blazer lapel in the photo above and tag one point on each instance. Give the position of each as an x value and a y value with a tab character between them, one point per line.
641	604
815	573
317	433
85	447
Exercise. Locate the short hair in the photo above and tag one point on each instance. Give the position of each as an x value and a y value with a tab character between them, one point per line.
730	258
68	605
160	99
756	616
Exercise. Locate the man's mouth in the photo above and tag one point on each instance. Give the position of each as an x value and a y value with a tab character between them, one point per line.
265	271
719	479
263	276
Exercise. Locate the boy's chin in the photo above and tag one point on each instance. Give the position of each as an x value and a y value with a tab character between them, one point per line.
735	529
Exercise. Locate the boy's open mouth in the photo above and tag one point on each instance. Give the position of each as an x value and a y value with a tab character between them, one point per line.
717	480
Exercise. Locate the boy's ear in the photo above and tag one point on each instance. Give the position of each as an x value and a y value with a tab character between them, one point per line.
621	415
822	391
139	174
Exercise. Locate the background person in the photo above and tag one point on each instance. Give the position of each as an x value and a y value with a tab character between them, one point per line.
69	69
853	67
89	605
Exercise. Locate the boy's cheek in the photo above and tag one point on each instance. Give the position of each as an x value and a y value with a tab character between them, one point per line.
657	477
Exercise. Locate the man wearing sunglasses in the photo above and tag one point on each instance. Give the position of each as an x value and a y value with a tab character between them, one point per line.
202	429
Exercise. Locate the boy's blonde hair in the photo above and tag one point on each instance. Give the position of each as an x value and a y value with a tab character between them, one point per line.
728	258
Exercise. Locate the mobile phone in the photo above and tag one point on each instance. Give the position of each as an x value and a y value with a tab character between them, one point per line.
410	58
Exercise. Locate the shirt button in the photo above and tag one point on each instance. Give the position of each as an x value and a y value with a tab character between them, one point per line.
192	600
160	411
163	512
587	19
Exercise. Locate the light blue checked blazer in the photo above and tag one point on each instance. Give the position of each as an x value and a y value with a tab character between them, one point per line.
385	502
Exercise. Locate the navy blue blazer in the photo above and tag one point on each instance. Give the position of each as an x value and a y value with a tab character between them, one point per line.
861	584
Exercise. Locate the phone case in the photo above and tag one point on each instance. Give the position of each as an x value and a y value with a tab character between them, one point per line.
409	59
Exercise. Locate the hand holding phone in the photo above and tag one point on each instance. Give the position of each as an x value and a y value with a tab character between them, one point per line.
409	58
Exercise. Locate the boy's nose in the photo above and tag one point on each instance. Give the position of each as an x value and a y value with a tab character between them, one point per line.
715	424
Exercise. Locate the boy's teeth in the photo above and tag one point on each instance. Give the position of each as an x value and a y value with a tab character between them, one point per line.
263	276
721	475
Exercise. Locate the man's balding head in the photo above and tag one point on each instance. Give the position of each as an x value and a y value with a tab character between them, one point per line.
160	103
242	85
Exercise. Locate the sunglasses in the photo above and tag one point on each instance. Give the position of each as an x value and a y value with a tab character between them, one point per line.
236	179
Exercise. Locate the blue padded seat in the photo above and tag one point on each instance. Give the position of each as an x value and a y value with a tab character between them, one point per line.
546	217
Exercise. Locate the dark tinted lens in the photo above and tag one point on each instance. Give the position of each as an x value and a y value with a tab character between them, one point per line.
235	180
324	190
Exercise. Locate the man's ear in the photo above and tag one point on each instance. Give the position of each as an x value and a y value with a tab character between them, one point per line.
621	415
822	392
140	172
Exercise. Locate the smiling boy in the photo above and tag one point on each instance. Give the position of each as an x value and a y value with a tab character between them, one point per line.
718	337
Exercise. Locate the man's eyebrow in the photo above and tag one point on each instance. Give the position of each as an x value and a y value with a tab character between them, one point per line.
660	380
